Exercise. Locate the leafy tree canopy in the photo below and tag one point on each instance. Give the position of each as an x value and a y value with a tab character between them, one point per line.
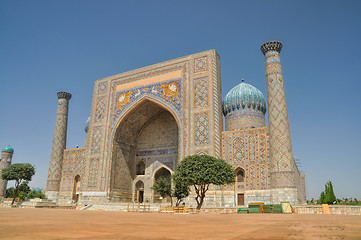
10	193
201	171
24	187
163	186
180	191
327	196
18	172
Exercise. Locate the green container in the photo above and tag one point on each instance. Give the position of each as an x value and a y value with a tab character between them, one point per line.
242	210
254	208
267	208
276	208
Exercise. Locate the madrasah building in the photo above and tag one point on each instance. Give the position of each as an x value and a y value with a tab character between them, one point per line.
145	121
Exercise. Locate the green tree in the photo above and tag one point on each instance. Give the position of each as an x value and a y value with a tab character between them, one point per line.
35	194
180	191
22	195
163	186
330	197
202	170
18	172
10	192
322	198
24	187
23	191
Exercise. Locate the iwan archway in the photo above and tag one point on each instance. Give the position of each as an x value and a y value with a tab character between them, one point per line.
146	139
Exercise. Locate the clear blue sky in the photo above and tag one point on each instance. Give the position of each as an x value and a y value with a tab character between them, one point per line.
51	46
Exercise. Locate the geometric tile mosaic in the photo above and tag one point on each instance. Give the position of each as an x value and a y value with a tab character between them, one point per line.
93	172
102	87
201	129
200	93
200	64
99	112
97	139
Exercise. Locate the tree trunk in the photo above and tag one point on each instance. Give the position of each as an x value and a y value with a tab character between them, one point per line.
200	203
201	195
15	192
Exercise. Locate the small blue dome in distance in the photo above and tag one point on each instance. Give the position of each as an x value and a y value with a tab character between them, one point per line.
87	125
37	190
7	149
244	97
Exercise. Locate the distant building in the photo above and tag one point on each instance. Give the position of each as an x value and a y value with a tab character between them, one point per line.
144	122
5	161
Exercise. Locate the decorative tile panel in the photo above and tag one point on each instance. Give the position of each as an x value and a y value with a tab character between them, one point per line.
97	139
238	150
252	177
169	90
93	172
99	112
200	64
201	129
102	87
263	176
200	93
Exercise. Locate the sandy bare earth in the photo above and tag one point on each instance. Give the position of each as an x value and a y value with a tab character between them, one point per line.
74	224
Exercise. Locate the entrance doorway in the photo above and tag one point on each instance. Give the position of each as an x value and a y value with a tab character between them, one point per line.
140	194
240	199
139	191
76	188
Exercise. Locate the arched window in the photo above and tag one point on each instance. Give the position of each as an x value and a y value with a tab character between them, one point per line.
140	169
239	175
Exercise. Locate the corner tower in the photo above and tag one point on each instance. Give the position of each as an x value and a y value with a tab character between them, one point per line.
282	166
59	144
5	161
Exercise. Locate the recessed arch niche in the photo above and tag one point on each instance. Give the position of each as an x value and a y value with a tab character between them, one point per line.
147	134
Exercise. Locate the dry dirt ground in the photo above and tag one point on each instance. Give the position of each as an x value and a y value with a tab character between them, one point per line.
74	224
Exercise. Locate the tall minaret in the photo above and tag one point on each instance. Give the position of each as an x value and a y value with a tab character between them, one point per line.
281	156
5	161
59	144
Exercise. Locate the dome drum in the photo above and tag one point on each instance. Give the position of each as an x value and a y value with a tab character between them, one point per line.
244	120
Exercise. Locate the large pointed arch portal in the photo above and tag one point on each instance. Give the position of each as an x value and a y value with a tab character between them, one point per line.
147	136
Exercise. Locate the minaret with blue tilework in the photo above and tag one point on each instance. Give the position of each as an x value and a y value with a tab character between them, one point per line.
282	166
58	146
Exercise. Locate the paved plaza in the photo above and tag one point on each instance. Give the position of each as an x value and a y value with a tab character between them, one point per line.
33	223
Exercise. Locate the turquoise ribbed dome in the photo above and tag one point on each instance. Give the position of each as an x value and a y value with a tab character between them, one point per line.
7	149
87	125
244	97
